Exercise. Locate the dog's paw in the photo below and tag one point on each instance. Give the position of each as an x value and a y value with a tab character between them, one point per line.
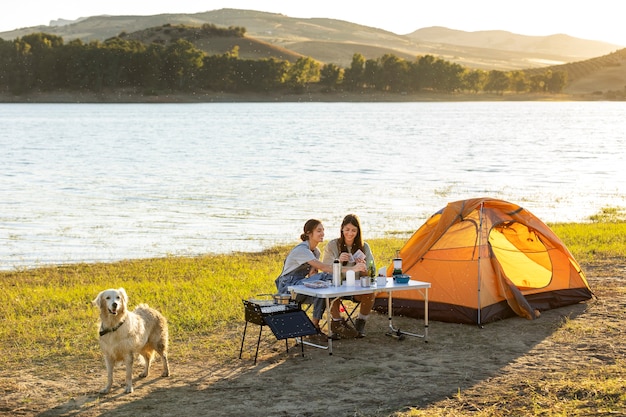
128	390
105	390
166	373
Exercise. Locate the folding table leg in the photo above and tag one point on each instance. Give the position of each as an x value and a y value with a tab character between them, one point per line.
399	333
328	328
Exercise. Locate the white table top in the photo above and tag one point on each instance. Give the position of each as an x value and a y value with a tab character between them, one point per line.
344	290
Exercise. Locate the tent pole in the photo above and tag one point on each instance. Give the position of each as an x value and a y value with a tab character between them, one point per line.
480	242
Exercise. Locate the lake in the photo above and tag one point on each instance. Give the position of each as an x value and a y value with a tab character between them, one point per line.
104	182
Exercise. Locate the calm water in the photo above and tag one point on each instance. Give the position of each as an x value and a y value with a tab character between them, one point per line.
102	182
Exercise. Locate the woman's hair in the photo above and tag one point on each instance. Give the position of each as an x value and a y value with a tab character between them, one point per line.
309	226
352	219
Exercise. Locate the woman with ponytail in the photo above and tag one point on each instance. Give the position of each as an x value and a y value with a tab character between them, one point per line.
303	264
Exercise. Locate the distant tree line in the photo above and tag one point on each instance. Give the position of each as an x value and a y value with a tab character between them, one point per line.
44	62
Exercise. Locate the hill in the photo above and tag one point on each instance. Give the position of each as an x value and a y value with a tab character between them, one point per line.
604	74
569	48
248	48
592	66
335	41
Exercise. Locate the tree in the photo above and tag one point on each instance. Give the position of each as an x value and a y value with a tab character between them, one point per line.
9	66
370	74
303	72
331	76
448	76
538	83
497	81
474	80
518	81
426	72
120	66
217	73
393	74
353	77
556	81
181	61
35	57
258	75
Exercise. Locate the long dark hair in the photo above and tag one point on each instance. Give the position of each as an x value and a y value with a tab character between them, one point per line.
352	219
309	227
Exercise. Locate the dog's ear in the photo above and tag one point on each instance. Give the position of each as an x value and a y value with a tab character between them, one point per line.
97	300
122	292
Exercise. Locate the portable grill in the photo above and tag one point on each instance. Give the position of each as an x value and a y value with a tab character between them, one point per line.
285	320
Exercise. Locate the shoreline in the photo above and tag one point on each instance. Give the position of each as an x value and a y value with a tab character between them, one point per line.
124	96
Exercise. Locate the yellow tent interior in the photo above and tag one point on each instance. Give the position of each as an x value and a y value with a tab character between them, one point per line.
486	260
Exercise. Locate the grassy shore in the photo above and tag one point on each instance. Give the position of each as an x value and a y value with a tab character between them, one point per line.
48	322
34	301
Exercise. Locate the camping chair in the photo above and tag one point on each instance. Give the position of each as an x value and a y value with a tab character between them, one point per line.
285	320
349	313
342	307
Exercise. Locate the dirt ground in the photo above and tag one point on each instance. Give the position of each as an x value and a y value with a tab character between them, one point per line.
374	376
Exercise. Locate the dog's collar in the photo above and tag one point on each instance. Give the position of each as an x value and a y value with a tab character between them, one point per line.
112	329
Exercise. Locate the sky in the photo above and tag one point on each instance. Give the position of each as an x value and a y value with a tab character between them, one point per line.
600	20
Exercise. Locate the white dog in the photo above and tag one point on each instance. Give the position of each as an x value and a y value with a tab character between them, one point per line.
124	334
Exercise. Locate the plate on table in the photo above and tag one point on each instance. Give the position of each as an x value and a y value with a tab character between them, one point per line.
316	284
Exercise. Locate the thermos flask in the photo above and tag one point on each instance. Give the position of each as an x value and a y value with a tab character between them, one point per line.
336	273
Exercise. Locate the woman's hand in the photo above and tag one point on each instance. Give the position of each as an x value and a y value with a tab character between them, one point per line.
344	257
360	266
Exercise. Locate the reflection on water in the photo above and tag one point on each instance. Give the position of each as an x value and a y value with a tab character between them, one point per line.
100	182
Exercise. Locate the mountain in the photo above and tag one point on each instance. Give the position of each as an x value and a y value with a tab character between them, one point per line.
336	41
567	46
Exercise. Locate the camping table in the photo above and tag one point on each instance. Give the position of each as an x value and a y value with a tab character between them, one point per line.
330	294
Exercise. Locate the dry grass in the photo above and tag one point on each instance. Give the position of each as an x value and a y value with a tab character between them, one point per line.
570	362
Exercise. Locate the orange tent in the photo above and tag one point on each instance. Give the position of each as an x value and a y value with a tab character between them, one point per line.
487	259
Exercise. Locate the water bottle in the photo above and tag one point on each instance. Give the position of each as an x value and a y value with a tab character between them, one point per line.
336	273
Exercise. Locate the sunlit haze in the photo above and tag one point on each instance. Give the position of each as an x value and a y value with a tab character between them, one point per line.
600	20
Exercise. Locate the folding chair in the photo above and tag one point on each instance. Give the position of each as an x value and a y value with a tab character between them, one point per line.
343	307
349	313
